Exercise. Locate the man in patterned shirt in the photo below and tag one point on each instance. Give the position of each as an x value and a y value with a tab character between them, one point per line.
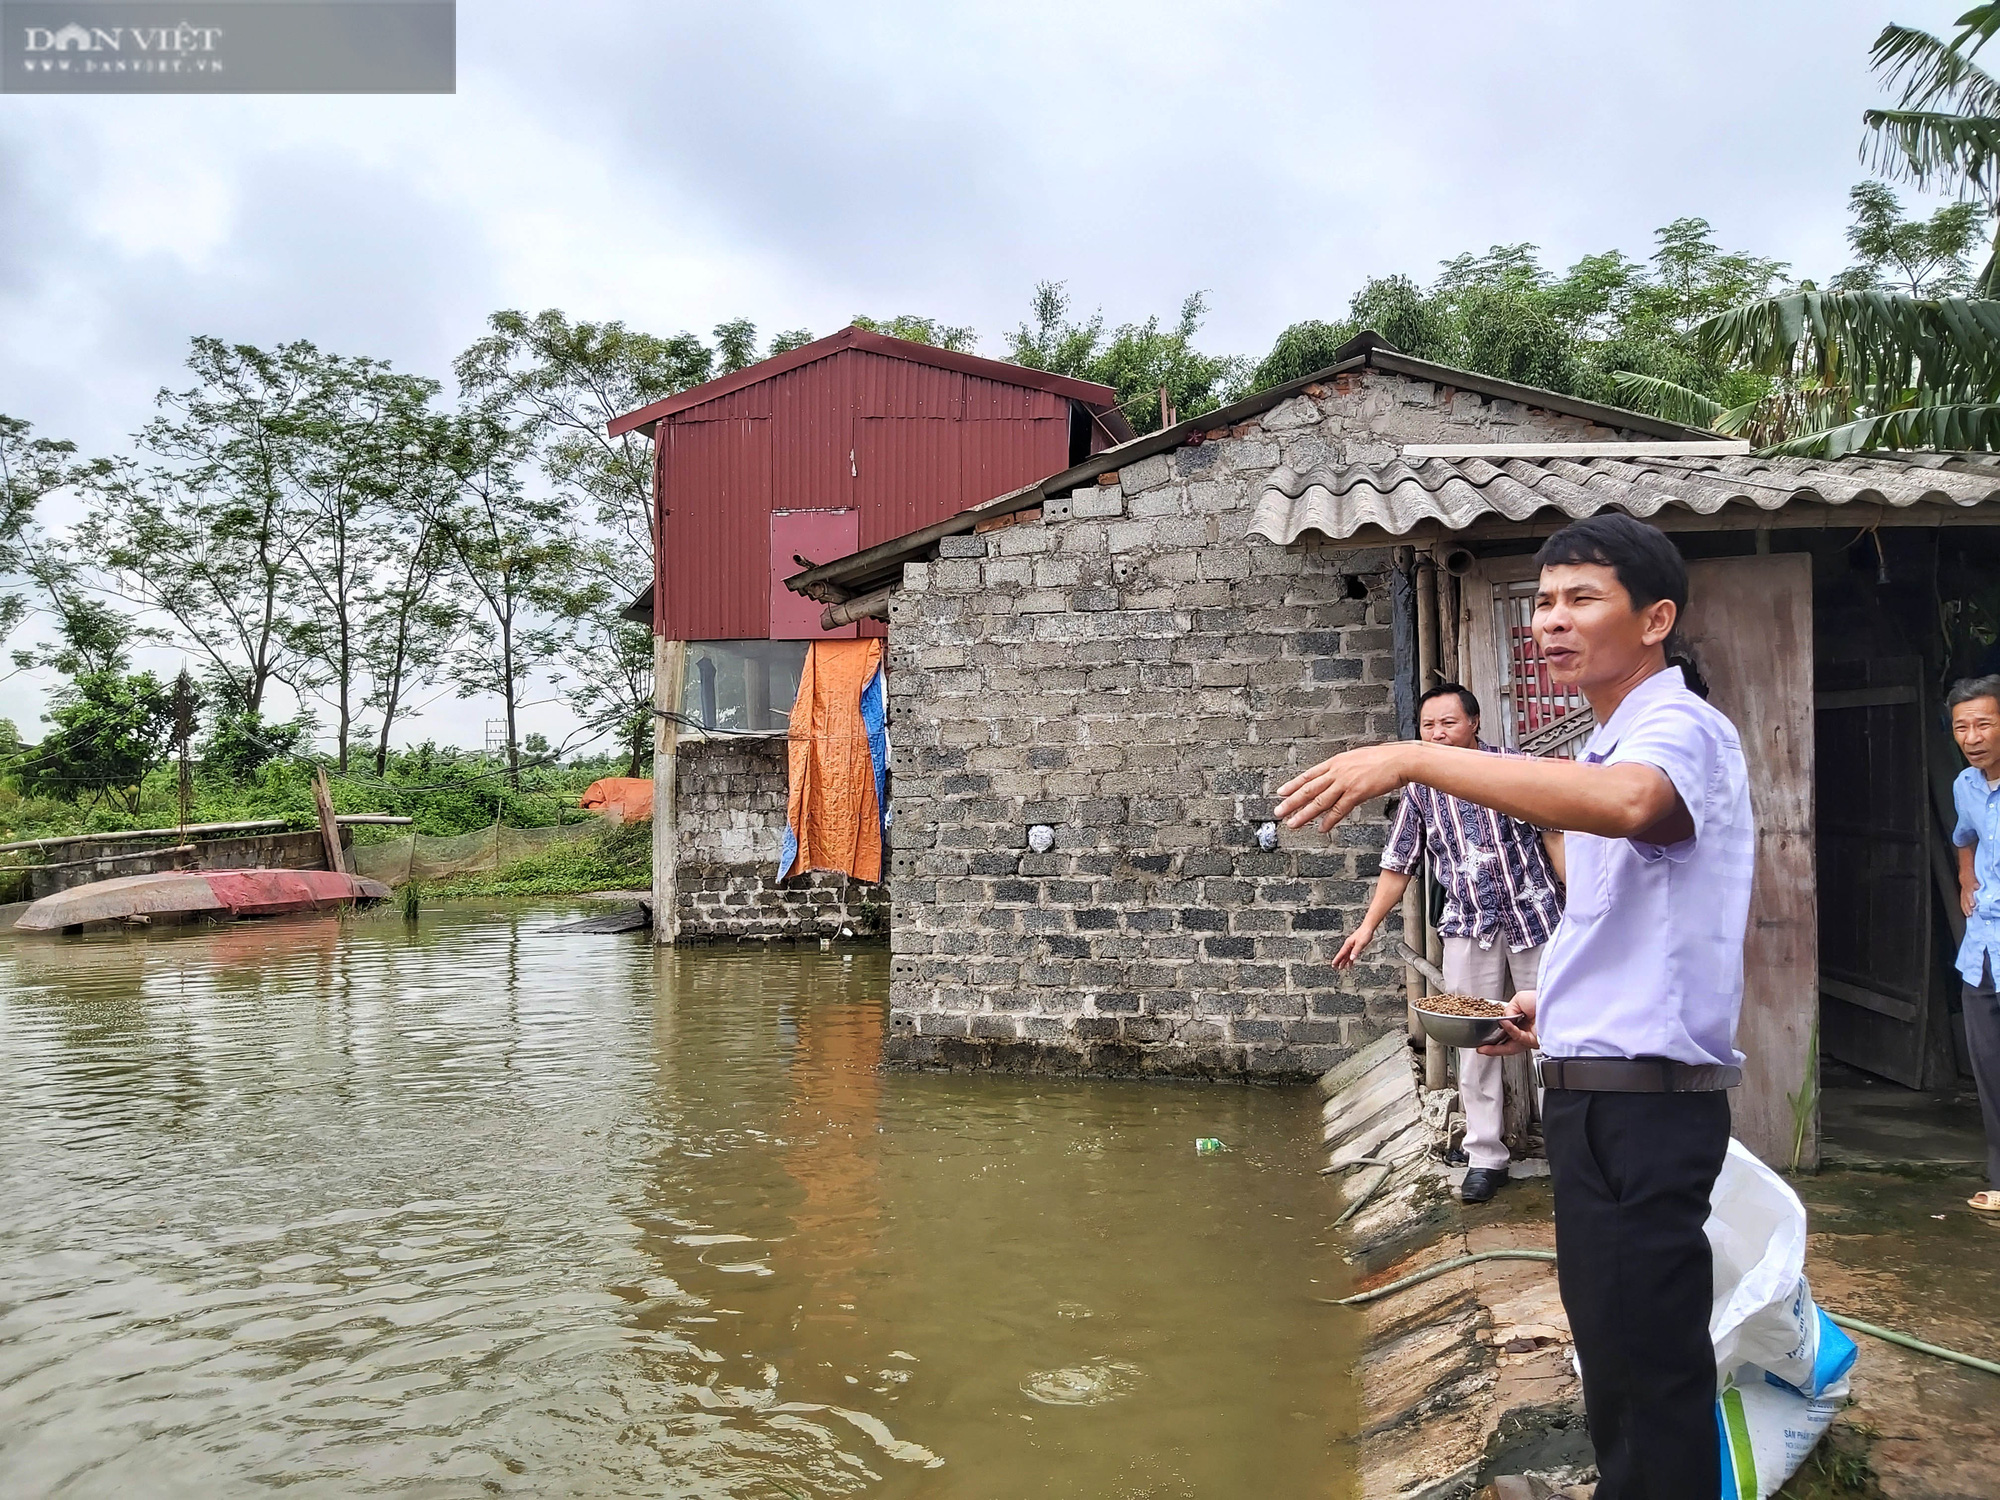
1503	898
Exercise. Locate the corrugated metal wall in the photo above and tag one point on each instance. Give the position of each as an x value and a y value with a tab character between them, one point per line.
905	443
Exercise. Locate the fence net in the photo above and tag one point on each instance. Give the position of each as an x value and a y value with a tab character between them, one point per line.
425	858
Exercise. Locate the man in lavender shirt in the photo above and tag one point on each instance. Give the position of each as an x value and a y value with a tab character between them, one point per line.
1640	989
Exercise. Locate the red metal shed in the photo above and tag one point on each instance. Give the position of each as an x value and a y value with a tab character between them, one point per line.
832	447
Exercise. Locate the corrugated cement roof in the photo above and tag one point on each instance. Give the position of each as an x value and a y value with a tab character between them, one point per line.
1456	493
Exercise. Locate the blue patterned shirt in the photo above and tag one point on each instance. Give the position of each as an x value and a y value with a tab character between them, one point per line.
1978	808
1496	875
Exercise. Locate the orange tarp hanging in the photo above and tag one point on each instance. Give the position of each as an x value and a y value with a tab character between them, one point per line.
833	810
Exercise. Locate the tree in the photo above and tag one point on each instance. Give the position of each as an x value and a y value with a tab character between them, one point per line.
735	345
516	556
240	740
111	728
1927	256
1898	370
609	661
919	331
1943	134
355	453
1137	360
561	383
415	615
206	529
30	468
111	725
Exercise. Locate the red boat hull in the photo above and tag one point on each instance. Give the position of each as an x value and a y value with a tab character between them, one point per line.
184	893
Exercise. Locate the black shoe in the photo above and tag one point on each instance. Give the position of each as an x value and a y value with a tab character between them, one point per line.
1481	1183
1456	1158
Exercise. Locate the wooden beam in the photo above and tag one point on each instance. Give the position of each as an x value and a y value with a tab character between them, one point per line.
873	606
329	825
1557	448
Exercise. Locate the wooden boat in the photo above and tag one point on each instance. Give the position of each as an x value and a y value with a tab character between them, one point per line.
181	894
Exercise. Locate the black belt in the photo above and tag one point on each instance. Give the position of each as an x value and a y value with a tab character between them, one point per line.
1637	1075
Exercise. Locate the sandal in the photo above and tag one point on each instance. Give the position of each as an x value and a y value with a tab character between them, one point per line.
1987	1202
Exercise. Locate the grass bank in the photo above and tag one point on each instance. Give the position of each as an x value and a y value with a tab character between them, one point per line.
619	858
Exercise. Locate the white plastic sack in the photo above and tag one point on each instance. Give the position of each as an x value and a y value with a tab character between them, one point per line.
1768	1429
1763	1313
1781	1364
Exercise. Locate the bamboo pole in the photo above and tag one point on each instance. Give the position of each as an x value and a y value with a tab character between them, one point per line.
1428	676
261	825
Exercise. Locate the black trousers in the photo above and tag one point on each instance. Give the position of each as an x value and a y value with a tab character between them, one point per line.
1632	1175
1982	1035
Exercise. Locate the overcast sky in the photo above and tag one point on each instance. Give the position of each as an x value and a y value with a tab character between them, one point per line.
673	165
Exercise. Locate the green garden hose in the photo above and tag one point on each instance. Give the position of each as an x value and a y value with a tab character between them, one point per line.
1459	1263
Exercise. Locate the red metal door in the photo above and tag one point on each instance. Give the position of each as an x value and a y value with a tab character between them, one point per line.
819	536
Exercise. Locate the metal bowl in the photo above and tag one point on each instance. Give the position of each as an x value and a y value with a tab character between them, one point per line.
1459	1031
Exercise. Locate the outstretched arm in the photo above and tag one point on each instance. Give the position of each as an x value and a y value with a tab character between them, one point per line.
1625	801
1389	888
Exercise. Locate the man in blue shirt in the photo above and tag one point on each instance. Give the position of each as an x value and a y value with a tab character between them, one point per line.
1975	724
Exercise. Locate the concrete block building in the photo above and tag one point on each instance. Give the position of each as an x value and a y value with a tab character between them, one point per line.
1098	681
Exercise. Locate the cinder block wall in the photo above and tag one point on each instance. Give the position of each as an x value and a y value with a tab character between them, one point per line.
731	794
1139	674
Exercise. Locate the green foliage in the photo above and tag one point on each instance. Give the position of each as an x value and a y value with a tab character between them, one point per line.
448	792
1916	372
1903	369
1928	256
790	339
1137	360
1943	134
735	345
239	740
1303	349
1502	314
1417	322
619	858
30	467
920	331
1666	399
560	383
111	728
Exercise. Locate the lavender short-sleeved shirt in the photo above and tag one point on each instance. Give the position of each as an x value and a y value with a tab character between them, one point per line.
1648	961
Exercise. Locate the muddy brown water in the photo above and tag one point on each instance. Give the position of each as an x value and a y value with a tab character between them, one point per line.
338	1208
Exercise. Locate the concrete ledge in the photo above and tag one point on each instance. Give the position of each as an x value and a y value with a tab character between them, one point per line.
954	1054
1465	1379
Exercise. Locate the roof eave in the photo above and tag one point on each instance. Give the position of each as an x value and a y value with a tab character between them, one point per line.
1101	399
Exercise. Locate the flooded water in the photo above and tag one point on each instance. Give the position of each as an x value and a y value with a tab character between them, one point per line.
342	1208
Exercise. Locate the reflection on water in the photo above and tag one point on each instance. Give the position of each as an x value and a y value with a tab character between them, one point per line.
341	1208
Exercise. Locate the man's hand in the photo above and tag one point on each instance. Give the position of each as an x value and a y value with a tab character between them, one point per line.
1968	897
1335	787
1350	950
1520	1038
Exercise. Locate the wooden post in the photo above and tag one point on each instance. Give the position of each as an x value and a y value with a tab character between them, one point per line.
1517	1110
1436	1060
669	664
329	827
